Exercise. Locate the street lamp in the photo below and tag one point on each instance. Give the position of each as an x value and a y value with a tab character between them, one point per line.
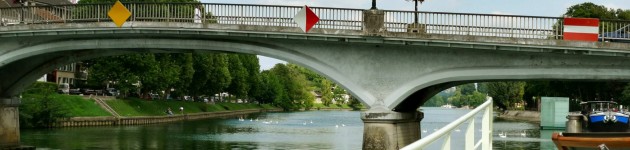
373	4
22	4
416	10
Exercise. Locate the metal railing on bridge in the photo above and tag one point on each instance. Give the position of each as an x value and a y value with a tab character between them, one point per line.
330	18
445	132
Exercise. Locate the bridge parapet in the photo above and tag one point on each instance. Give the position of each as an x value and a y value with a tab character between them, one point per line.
393	21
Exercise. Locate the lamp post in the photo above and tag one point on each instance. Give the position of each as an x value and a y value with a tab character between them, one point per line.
373	4
415	14
23	4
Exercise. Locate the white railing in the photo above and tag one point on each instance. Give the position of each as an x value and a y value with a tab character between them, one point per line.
470	144
445	23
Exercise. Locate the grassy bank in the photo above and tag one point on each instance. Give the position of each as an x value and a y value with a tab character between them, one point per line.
72	105
139	107
331	106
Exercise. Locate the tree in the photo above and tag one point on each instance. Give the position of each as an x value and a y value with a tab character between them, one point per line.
505	94
467	89
327	94
339	94
435	101
271	89
238	85
250	62
220	76
590	10
354	103
187	71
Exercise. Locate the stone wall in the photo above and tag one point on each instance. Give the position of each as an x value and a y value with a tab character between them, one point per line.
110	121
521	115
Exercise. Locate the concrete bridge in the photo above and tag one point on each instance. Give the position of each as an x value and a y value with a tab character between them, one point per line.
390	63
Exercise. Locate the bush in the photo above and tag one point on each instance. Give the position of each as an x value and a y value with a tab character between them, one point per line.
39	111
41	88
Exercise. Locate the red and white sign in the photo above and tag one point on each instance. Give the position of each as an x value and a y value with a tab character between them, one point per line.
306	19
581	29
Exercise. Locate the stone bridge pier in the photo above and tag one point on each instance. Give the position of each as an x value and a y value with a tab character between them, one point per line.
388	130
9	123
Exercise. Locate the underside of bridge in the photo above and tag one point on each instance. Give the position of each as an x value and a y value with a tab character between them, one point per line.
392	79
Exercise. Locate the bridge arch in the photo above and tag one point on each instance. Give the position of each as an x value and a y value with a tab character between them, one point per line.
67	51
416	92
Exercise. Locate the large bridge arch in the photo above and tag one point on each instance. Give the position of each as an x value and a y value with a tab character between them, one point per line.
421	89
60	52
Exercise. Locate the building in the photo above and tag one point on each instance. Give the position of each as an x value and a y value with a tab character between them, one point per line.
18	15
74	74
318	97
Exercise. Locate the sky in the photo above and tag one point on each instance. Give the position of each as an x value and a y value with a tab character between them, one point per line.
551	8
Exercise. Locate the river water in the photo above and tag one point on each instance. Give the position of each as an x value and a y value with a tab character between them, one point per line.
295	130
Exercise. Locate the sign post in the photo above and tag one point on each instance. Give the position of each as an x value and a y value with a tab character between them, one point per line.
306	19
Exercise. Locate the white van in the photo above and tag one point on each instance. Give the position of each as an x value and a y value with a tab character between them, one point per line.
64	88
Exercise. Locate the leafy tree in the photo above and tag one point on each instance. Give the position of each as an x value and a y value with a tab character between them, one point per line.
186	74
220	76
505	94
238	85
590	10
327	94
622	14
354	103
435	101
39	109
338	95
271	89
250	62
476	99
467	89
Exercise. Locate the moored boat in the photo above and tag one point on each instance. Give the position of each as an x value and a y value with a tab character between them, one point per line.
600	125
603	116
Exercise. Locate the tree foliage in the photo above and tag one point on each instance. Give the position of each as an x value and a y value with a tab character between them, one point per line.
505	94
39	109
326	92
590	10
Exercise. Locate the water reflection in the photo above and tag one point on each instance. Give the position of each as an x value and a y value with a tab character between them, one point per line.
296	130
299	130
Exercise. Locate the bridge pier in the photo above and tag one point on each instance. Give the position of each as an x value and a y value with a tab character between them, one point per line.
388	130
9	123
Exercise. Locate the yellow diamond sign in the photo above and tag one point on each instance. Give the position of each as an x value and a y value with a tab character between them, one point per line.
119	14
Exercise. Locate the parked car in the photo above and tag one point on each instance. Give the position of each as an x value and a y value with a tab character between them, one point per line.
76	91
112	92
620	35
87	91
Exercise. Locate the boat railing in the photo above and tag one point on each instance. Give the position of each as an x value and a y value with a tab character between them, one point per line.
486	131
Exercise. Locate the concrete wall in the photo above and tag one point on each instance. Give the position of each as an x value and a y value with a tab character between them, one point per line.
521	115
109	121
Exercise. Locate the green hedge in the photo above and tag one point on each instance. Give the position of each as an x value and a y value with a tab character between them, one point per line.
41	88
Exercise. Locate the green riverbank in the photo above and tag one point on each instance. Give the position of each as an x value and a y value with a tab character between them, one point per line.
139	107
79	106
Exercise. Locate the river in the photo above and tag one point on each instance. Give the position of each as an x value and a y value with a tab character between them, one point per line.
294	130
